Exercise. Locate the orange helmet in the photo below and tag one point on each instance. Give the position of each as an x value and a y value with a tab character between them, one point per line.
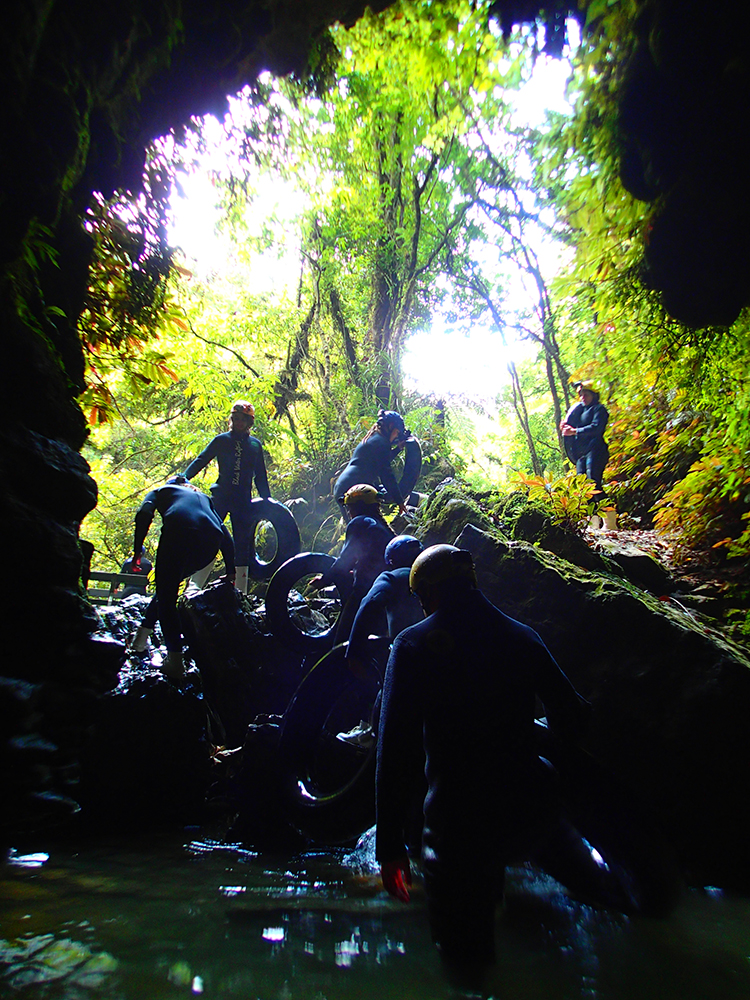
245	408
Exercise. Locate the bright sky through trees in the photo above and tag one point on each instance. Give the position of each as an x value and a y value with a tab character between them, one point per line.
442	360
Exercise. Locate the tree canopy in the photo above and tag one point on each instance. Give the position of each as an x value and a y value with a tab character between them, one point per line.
423	198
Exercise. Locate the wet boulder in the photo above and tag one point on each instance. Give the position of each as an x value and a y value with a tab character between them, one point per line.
671	697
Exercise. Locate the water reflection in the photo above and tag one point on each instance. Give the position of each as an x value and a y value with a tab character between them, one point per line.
201	917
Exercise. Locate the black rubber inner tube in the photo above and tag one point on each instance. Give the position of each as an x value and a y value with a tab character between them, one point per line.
284	623
330	783
285	528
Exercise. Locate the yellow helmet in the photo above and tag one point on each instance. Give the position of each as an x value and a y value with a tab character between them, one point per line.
441	564
362	493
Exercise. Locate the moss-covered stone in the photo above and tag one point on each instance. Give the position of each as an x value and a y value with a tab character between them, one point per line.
446	512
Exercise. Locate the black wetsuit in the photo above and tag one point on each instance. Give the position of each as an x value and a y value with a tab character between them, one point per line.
459	698
387	609
370	464
191	535
240	460
360	561
587	448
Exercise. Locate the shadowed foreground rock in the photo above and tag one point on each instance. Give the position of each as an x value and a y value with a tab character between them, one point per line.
670	696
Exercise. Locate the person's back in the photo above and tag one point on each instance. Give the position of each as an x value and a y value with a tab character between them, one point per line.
471	674
185	509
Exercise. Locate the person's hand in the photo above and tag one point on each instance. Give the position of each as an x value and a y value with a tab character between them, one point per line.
396	876
567	430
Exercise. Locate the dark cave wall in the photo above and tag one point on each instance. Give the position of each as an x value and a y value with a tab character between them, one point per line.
87	86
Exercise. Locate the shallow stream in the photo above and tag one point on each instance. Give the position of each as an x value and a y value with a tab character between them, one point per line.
191	916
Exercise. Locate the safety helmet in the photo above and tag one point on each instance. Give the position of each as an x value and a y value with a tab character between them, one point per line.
361	493
389	420
245	409
441	564
402	551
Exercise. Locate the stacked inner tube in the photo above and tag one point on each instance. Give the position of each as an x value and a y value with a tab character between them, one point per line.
282	521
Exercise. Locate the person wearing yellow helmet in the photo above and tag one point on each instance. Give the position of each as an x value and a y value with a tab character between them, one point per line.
583	433
362	557
240	459
458	706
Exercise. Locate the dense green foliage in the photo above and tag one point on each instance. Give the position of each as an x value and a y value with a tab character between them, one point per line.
421	197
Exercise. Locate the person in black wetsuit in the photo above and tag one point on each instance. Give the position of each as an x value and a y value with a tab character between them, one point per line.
371	460
387	609
362	557
583	433
191	535
240	459
458	708
142	568
389	605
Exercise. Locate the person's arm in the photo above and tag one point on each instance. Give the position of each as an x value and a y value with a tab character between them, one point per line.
400	751
369	620
568	712
385	472
341	570
200	463
261	476
143	519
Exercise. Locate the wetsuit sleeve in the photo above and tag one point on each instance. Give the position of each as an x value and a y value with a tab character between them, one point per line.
370	618
200	463
568	713
345	562
400	750
143	518
226	547
587	433
261	476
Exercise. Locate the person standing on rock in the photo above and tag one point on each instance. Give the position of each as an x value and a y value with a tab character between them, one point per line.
240	458
583	433
458	709
191	535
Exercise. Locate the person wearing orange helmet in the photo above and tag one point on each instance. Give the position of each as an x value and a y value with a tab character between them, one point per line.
240	459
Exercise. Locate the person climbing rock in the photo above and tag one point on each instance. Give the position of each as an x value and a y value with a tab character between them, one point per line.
362	557
458	708
583	433
371	460
389	606
387	609
240	458
191	535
